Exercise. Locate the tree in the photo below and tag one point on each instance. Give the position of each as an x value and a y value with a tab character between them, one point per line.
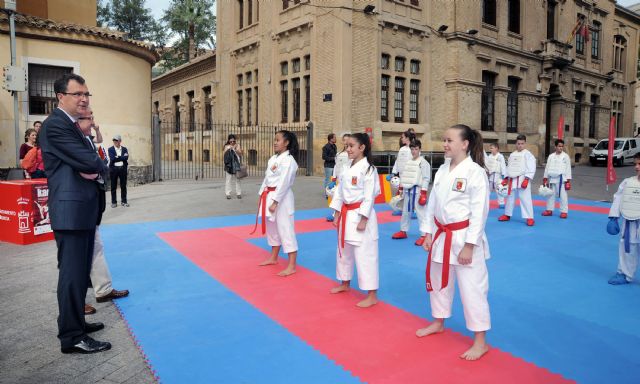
194	24
131	17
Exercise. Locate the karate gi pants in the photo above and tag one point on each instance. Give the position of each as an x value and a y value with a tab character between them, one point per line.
495	180
281	232
100	275
473	281
405	221
628	262
365	256
564	198
526	205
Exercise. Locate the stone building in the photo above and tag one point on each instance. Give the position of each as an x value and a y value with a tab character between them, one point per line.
58	36
507	67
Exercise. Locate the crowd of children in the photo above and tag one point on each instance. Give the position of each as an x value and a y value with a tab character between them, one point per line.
452	218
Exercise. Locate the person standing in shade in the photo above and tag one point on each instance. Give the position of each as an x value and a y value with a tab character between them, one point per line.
73	170
118	163
329	152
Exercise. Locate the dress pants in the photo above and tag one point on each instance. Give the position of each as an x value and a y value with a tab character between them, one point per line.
116	173
75	250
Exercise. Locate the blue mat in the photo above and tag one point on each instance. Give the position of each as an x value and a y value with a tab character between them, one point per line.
550	301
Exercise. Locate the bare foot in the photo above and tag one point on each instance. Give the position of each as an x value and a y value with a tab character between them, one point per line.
476	351
287	272
268	262
340	288
433	328
368	302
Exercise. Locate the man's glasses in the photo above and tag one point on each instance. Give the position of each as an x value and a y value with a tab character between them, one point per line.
78	94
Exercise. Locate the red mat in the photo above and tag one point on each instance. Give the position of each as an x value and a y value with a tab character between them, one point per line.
378	345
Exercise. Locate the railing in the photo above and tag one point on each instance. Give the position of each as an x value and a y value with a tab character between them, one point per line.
195	150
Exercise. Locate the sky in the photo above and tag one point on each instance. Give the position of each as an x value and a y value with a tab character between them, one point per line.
158	7
626	3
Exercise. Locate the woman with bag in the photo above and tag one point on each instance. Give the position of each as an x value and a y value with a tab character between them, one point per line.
231	155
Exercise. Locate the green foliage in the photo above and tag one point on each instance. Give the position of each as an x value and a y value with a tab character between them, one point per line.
194	25
131	17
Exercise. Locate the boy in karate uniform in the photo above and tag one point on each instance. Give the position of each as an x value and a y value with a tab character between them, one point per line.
557	176
520	171
626	203
342	162
496	169
404	155
414	183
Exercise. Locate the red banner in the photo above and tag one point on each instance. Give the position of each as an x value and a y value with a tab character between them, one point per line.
611	173
561	128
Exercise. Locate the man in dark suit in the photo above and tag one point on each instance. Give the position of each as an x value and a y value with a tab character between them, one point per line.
74	172
118	163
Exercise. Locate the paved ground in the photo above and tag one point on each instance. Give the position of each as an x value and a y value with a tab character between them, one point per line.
29	349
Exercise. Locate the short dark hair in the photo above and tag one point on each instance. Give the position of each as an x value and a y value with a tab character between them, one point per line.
636	156
521	137
331	136
346	135
558	141
494	145
60	85
415	143
37	122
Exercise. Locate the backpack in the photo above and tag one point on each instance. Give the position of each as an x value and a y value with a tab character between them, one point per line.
30	161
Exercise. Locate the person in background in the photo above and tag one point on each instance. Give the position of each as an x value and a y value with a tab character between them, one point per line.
118	163
557	176
30	137
231	155
37	125
329	152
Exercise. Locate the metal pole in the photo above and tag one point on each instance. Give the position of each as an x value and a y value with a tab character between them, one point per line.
16	122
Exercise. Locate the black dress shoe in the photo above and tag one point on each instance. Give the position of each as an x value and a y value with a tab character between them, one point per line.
87	345
93	327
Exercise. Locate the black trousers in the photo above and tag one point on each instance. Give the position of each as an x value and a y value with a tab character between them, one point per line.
75	252
116	173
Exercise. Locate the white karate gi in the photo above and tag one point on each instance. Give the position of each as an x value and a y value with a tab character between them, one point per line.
415	178
404	155
342	160
525	168
459	195
627	262
358	183
497	169
558	168
280	173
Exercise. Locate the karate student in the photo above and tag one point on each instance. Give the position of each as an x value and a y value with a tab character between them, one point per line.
626	204
496	169
414	183
521	168
277	203
356	221
455	237
404	155
557	176
342	161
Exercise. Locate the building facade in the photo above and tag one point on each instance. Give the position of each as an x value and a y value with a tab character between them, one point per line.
507	67
117	71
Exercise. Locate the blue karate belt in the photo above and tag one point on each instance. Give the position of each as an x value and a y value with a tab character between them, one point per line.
560	187
627	245
411	195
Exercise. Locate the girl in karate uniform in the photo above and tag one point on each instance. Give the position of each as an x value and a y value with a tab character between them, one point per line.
356	220
455	237
277	203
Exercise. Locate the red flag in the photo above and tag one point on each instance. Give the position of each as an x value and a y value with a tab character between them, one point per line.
561	128
585	32
611	173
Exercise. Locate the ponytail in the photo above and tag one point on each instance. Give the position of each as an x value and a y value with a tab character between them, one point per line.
292	139
476	150
363	139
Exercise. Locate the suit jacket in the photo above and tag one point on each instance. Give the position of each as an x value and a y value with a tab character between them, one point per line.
73	200
113	158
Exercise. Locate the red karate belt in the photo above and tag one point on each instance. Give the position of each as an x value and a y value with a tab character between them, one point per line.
262	206
517	178
448	234
342	222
